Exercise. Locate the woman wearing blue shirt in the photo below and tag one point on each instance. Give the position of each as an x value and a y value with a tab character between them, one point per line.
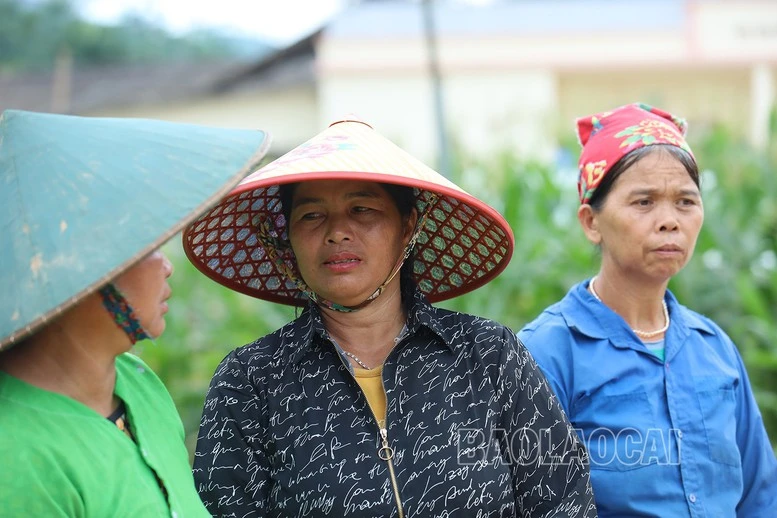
657	392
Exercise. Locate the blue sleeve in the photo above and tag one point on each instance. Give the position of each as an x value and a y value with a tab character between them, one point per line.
548	342
558	462
759	466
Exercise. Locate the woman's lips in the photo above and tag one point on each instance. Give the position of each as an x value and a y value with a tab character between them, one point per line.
342	262
164	304
669	250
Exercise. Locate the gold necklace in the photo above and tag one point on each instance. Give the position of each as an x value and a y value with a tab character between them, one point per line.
638	332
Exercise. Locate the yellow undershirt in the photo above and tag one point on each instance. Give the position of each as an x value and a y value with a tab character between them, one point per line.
371	383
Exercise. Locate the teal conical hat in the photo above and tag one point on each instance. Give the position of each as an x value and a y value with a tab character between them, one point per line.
83	198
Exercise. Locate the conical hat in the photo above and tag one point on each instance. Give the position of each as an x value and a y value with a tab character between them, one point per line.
463	244
84	198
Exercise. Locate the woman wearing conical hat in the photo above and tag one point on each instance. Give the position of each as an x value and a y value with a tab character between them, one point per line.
658	393
373	402
86	428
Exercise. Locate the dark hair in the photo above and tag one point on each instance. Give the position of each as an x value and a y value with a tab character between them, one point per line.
600	194
404	198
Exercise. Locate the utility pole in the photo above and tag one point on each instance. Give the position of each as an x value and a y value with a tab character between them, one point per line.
443	153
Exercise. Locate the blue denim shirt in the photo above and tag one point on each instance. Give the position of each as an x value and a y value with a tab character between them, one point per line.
683	437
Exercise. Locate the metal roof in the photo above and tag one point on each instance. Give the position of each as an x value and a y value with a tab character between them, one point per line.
523	17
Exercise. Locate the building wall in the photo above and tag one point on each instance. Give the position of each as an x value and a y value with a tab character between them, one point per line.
398	107
702	96
520	91
486	112
490	112
290	115
517	91
733	31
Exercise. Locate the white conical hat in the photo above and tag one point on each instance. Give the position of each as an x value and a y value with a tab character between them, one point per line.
464	242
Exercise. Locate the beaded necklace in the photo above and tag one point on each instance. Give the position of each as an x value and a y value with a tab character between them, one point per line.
357	360
638	332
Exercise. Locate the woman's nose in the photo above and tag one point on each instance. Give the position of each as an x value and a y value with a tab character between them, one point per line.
667	220
168	266
338	230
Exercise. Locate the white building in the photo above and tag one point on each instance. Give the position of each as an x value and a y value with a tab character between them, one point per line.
517	74
514	74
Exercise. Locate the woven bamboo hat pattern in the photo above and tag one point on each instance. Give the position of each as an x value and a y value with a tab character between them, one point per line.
85	198
463	244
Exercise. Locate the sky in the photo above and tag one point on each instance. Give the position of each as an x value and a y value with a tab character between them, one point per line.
276	21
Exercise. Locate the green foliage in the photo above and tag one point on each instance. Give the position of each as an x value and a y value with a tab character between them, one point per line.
205	322
32	35
732	278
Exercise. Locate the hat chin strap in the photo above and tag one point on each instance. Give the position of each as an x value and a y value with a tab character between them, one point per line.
122	313
272	245
349	309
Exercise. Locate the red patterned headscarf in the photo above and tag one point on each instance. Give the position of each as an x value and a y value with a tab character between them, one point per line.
608	136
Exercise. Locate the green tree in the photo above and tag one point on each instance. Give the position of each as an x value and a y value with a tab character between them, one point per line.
32	35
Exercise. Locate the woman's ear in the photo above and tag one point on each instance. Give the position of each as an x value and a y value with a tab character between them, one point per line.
410	223
589	220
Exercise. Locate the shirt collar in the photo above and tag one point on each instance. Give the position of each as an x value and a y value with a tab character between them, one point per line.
305	328
420	314
583	313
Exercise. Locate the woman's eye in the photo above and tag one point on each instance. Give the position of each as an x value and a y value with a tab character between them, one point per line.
361	209
643	202
687	202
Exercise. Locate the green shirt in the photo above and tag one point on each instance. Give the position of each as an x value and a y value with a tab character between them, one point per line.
62	459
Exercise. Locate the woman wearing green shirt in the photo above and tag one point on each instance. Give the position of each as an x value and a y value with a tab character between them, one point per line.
86	429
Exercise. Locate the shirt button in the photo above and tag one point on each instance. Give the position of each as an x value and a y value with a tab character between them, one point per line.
174	514
692	498
680	434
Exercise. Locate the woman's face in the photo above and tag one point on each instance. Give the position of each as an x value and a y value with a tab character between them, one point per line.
347	237
145	288
650	220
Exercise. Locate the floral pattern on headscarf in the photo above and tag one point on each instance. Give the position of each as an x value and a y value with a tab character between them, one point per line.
608	136
592	174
